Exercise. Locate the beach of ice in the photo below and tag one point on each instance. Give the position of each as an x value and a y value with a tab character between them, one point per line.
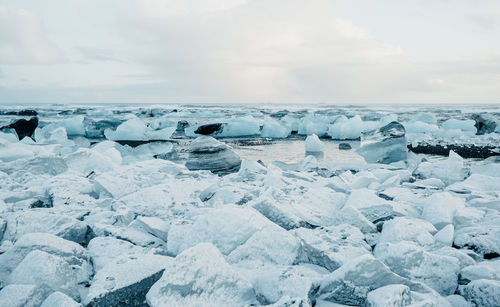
123	205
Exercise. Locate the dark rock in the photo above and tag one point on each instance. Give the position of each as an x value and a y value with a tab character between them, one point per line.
484	123
345	146
24	127
464	150
209	129
49	203
26	112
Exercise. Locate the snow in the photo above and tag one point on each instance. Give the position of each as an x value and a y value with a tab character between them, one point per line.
313	144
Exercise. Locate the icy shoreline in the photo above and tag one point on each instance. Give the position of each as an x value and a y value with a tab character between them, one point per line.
189	222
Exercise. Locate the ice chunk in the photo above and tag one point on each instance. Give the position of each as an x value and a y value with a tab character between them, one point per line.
384	145
274	129
477	183
420	127
153	225
374	208
201	276
104	249
58	299
404	228
268	245
483	270
73	253
313	144
458	301
23	295
445	235
346	129
135	129
206	153
73	125
440	208
238	127
485	123
227	228
314	124
44	269
126	280
52	134
275	284
351	283
390	295
135	236
482	292
10	137
457	124
409	260
331	247
14	151
23	222
449	170
483	238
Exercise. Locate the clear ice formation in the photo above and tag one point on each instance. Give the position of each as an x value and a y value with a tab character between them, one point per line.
113	206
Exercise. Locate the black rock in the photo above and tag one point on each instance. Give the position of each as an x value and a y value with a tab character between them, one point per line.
26	112
484	123
345	146
465	150
209	129
42	204
24	127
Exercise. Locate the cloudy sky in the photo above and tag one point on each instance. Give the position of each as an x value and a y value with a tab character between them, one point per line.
230	51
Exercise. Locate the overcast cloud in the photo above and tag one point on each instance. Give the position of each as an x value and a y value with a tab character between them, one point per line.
229	51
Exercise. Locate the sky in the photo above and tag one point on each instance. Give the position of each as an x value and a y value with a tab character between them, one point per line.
250	51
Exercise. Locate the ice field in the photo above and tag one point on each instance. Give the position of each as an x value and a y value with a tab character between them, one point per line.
164	205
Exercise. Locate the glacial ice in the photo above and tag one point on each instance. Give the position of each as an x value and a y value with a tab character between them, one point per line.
313	144
87	220
201	276
384	145
274	129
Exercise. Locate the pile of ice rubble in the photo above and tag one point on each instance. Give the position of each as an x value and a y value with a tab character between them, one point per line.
106	225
